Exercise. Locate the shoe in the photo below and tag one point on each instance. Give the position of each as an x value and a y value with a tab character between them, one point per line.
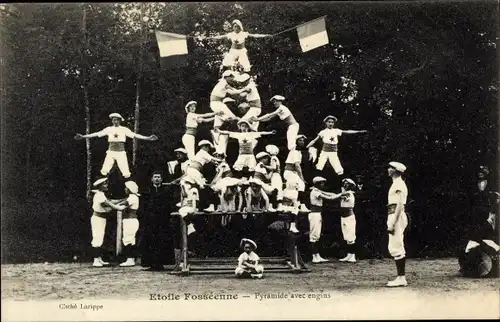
321	259
294	229
271	209
280	207
345	259
129	262
352	259
210	208
304	208
178	204
398	282
102	262
97	263
256	275
190	229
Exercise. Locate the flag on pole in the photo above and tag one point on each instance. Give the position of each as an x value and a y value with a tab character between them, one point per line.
171	44
312	34
173	49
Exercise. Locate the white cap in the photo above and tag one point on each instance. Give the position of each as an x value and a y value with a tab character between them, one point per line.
98	182
236	21
132	186
261	155
330	117
300	136
242	78
272	149
398	166
246	240
113	115
189	104
318	179
181	150
244	121
277	98
228	73
348	181
205	142
227	100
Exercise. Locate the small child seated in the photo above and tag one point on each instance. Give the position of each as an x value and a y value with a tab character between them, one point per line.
248	262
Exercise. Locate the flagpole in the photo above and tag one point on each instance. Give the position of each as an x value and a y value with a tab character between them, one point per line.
295	27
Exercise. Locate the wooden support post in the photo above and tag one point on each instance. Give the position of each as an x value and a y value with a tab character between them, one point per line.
119	230
185	268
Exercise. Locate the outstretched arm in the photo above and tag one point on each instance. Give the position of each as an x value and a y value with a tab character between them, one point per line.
267	116
146	138
214	37
224	132
205	120
354	131
205	115
332	196
79	136
112	205
313	142
259	35
267	132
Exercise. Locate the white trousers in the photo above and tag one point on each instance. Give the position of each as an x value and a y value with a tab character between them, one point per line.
130	228
348	225
315	223
277	183
253	111
291	136
98	226
396	241
334	160
293	178
196	176
245	160
188	141
120	157
239	55
259	269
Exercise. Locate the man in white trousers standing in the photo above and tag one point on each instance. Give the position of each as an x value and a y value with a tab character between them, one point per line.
101	208
117	135
397	221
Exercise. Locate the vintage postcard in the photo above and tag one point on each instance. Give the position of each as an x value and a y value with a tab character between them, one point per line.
191	161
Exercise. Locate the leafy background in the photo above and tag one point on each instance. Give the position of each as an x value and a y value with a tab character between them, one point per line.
421	77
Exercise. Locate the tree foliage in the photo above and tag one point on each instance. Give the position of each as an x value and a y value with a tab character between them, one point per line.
422	77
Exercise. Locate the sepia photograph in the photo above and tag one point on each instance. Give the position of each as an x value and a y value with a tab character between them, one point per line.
231	161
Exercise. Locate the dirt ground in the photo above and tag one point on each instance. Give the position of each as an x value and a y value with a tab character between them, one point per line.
75	281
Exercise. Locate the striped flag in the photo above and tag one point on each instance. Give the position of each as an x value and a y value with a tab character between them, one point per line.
312	34
171	44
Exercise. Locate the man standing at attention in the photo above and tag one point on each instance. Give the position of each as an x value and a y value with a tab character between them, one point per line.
397	221
117	135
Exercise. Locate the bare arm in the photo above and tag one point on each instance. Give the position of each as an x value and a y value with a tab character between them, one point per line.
268	133
354	131
313	142
259	35
206	115
267	116
146	138
79	136
217	37
112	205
330	196
225	132
205	120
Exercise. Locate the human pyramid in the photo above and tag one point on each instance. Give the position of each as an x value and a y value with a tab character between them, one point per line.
256	182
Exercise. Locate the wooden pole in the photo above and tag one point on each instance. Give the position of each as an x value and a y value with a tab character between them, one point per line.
184	246
138	85
86	97
119	231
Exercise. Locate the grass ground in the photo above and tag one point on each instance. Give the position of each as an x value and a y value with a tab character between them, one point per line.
346	291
